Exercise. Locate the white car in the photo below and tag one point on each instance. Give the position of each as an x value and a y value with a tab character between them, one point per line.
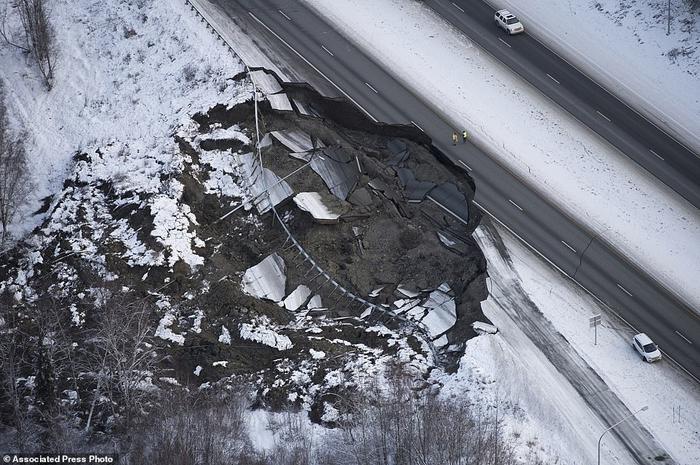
646	348
508	22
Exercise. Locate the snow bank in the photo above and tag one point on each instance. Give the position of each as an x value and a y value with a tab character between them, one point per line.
535	139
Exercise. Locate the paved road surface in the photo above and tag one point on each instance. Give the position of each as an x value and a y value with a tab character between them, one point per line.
629	291
515	303
299	36
657	152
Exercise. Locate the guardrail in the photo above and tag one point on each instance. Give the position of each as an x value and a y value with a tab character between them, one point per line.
419	327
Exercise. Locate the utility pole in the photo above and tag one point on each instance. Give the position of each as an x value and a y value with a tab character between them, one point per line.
668	23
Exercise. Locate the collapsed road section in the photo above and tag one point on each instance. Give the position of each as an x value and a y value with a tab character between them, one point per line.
301	264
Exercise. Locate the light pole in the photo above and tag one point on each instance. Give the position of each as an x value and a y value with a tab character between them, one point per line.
626	418
668	22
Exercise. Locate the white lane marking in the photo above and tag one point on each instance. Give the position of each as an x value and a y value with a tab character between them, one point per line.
554	265
282	13
552	78
598	299
696	155
516	205
569	247
504	42
327	51
447	210
315	68
416	125
624	290
603	115
660	157
457	6
686	339
373	89
465	165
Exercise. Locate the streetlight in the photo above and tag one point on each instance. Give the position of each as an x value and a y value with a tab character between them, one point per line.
627	417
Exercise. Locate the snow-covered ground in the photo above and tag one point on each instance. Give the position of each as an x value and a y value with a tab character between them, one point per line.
126	71
624	46
535	138
673	399
507	368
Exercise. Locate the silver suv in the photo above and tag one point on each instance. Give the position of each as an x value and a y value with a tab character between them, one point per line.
508	22
646	348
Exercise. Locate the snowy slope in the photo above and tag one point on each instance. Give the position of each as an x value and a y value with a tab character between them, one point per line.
535	139
661	386
624	46
127	71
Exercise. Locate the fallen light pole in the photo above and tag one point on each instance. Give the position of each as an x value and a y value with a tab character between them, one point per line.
613	426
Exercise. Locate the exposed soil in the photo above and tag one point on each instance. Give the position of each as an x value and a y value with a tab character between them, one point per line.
397	244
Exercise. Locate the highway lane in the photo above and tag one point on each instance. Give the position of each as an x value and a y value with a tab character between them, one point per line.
660	154
558	238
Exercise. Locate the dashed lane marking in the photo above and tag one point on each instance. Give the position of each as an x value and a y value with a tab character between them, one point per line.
602	115
327	51
657	155
416	125
625	290
594	296
552	78
312	66
282	13
465	165
685	338
568	246
516	205
457	6
504	42
370	86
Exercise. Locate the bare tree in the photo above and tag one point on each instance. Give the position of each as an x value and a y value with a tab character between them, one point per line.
8	36
123	355
39	32
14	175
193	428
14	359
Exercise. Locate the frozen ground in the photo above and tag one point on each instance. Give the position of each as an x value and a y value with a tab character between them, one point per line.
126	71
624	46
661	386
535	139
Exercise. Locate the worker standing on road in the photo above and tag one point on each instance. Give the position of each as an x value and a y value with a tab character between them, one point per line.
455	137
465	136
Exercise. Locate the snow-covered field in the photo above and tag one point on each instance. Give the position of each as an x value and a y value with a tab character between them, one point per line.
673	399
535	139
624	46
127	71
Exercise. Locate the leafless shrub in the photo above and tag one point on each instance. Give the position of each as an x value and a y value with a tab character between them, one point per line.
5	31
40	36
189	72
14	174
15	359
34	344
122	355
194	429
399	424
